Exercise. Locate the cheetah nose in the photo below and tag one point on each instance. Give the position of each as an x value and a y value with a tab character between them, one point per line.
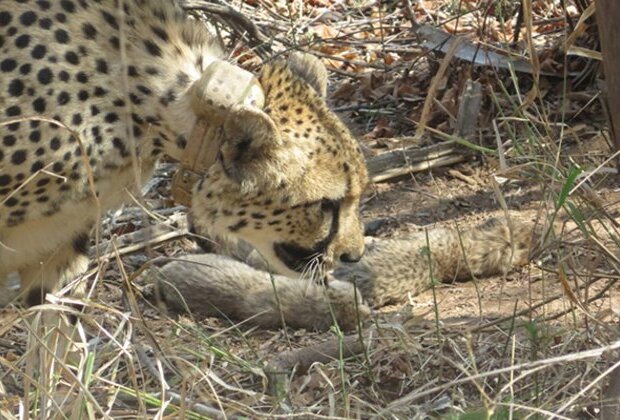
351	258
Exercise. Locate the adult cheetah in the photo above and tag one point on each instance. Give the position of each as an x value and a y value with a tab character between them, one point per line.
94	92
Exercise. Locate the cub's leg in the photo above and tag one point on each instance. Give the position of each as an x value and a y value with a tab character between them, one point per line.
393	268
59	267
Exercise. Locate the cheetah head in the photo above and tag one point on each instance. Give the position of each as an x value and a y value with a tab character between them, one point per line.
289	177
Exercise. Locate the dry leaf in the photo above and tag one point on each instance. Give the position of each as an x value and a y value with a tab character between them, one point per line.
382	129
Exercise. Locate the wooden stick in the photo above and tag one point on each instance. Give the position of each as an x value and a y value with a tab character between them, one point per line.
400	162
135	241
280	368
469	109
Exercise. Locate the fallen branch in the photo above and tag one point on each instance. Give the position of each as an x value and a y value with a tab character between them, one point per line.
280	368
400	162
138	240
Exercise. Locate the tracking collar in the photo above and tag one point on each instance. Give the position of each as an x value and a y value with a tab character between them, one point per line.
221	87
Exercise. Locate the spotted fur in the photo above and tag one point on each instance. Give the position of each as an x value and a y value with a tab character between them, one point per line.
94	92
390	272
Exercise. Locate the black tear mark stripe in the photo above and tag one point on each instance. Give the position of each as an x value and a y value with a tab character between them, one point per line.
296	257
334	206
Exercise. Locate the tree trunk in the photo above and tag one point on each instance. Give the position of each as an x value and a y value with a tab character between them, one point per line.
607	17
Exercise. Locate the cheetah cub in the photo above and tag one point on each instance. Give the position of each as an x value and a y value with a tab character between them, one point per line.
391	269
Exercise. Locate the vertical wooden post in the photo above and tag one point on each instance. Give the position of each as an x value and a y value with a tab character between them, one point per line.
608	19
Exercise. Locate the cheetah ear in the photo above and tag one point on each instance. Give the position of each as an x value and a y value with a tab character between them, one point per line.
232	99
252	148
310	69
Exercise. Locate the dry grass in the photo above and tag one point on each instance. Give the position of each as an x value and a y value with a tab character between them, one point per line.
540	343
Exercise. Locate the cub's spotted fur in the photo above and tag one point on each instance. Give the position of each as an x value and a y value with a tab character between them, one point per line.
94	92
390	270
